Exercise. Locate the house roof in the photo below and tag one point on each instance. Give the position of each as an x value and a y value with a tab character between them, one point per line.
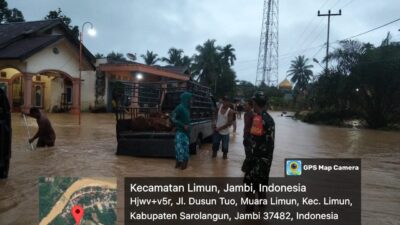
176	69
12	31
22	39
138	67
26	47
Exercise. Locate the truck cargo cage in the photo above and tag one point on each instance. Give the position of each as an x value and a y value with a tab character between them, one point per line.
143	99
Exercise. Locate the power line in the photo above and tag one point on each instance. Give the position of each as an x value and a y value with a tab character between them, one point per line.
333	6
300	37
344	6
333	42
322	47
317	37
376	28
306	40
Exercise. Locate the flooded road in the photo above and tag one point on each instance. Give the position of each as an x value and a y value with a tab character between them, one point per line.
89	151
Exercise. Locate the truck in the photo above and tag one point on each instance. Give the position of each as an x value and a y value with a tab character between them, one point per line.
143	126
5	135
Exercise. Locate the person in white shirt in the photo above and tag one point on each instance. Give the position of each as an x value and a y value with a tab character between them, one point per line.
223	119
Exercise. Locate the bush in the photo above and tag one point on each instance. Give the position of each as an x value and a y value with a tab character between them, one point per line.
329	117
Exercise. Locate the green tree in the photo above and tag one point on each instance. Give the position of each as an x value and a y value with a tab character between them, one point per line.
364	83
212	67
174	57
116	56
99	56
245	89
207	63
9	15
150	58
58	14
347	55
228	54
186	61
301	72
376	77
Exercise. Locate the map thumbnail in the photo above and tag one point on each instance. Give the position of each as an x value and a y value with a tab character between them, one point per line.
96	196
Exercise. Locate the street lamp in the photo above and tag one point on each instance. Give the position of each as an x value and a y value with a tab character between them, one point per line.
325	69
139	76
91	32
316	61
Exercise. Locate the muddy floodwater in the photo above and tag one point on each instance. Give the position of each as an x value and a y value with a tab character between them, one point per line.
89	151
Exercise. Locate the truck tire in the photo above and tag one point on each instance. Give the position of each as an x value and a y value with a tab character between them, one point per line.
195	147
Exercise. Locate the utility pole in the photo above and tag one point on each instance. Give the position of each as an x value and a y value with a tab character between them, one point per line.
329	25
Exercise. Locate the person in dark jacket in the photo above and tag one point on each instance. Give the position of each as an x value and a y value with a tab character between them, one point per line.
45	134
5	132
180	117
262	135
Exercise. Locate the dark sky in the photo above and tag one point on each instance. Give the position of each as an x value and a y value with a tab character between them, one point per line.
140	25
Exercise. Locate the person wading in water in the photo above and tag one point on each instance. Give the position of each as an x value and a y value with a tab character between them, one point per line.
45	133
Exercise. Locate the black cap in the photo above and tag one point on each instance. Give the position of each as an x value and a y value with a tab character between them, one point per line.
260	98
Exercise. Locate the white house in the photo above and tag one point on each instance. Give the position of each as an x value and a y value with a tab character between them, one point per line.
39	66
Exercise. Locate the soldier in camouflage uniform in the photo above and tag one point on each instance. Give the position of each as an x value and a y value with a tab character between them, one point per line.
262	145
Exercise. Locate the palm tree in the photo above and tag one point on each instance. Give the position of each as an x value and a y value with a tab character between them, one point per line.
150	58
174	57
301	72
347	55
207	63
228	55
116	56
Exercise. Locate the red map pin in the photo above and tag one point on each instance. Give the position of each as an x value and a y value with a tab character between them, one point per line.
77	213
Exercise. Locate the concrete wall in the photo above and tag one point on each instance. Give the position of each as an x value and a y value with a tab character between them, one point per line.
88	90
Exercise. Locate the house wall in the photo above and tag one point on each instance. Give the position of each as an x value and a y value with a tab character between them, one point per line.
88	90
67	61
10	72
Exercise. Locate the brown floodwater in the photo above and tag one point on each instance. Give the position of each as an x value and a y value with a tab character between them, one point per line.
89	151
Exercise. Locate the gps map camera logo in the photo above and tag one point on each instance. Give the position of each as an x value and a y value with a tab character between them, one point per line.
293	167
